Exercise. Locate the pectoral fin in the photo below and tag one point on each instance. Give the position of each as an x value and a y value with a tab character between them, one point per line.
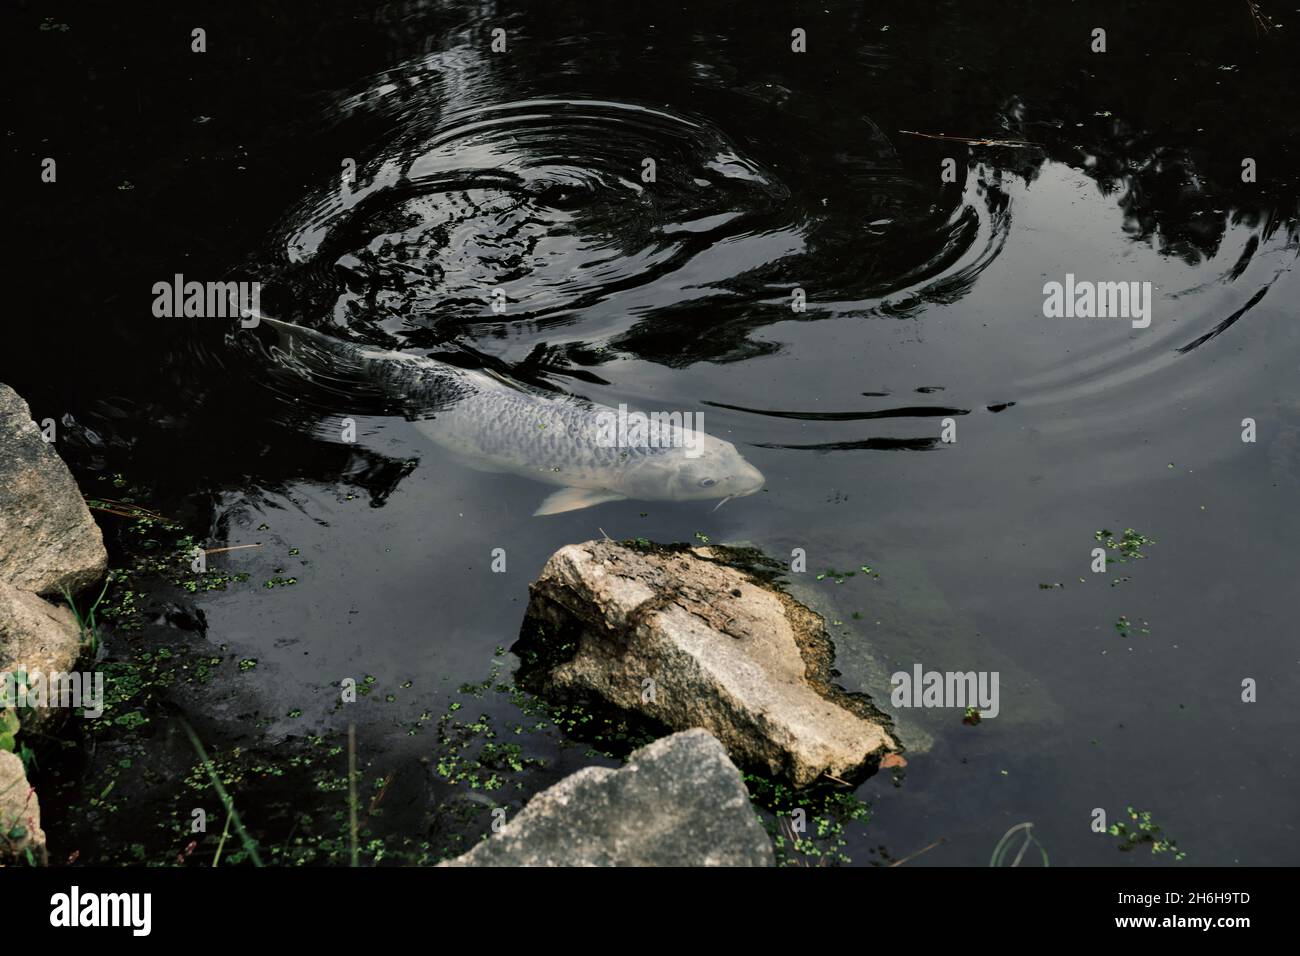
575	499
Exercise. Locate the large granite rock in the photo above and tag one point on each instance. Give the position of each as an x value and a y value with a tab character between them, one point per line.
677	802
36	636
680	636
20	815
48	540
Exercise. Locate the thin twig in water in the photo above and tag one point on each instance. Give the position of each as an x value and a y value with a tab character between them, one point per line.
1262	23
113	511
352	790
130	504
380	795
235	547
971	140
924	849
794	840
124	509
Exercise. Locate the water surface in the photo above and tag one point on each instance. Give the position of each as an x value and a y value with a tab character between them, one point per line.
522	171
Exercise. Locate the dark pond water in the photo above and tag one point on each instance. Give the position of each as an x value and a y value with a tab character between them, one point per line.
522	170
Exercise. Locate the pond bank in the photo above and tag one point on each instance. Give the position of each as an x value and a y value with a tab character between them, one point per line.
49	546
130	787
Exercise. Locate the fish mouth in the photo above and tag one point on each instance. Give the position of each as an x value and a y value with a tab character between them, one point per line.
752	486
747	483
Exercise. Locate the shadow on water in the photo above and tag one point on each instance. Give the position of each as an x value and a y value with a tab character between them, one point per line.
525	172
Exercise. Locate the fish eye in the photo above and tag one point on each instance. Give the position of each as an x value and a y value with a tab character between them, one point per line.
708	482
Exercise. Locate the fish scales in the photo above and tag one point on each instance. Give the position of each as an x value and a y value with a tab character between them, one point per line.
492	424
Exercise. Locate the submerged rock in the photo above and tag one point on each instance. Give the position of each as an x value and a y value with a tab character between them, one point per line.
48	540
20	815
676	802
682	637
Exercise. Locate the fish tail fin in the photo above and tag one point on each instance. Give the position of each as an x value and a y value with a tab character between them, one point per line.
310	347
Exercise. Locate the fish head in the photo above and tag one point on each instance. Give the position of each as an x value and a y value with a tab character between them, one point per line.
712	468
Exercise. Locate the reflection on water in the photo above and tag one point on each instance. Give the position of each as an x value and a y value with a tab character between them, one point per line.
383	192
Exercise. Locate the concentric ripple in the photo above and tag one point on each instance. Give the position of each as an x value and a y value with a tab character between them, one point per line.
524	210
